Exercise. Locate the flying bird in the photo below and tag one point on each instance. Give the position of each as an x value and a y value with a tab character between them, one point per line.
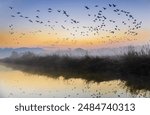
114	5
59	11
87	7
12	16
18	12
30	21
37	16
11	7
96	5
37	10
104	8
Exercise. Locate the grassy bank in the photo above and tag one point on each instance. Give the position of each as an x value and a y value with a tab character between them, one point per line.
133	67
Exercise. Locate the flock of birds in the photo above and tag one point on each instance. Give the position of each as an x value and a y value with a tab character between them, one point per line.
102	26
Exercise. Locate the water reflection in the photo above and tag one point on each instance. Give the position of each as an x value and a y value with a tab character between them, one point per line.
16	83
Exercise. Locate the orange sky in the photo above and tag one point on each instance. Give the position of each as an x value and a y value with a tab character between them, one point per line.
44	40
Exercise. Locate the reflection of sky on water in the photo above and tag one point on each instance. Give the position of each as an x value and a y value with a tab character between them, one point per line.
14	83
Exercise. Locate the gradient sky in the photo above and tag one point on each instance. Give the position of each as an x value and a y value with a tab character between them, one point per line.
27	34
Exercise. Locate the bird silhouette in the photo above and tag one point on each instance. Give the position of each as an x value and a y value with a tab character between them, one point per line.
104	8
96	5
18	12
13	16
114	5
11	7
37	16
87	7
37	10
30	21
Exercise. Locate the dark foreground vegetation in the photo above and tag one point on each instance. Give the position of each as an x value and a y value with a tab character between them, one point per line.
133	67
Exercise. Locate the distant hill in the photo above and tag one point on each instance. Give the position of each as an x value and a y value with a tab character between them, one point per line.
6	52
77	52
80	50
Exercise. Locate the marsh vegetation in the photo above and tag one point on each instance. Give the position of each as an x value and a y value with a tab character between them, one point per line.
132	67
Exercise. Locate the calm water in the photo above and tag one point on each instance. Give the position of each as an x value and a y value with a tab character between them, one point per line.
15	83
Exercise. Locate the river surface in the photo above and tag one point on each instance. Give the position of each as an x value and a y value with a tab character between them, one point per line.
19	84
